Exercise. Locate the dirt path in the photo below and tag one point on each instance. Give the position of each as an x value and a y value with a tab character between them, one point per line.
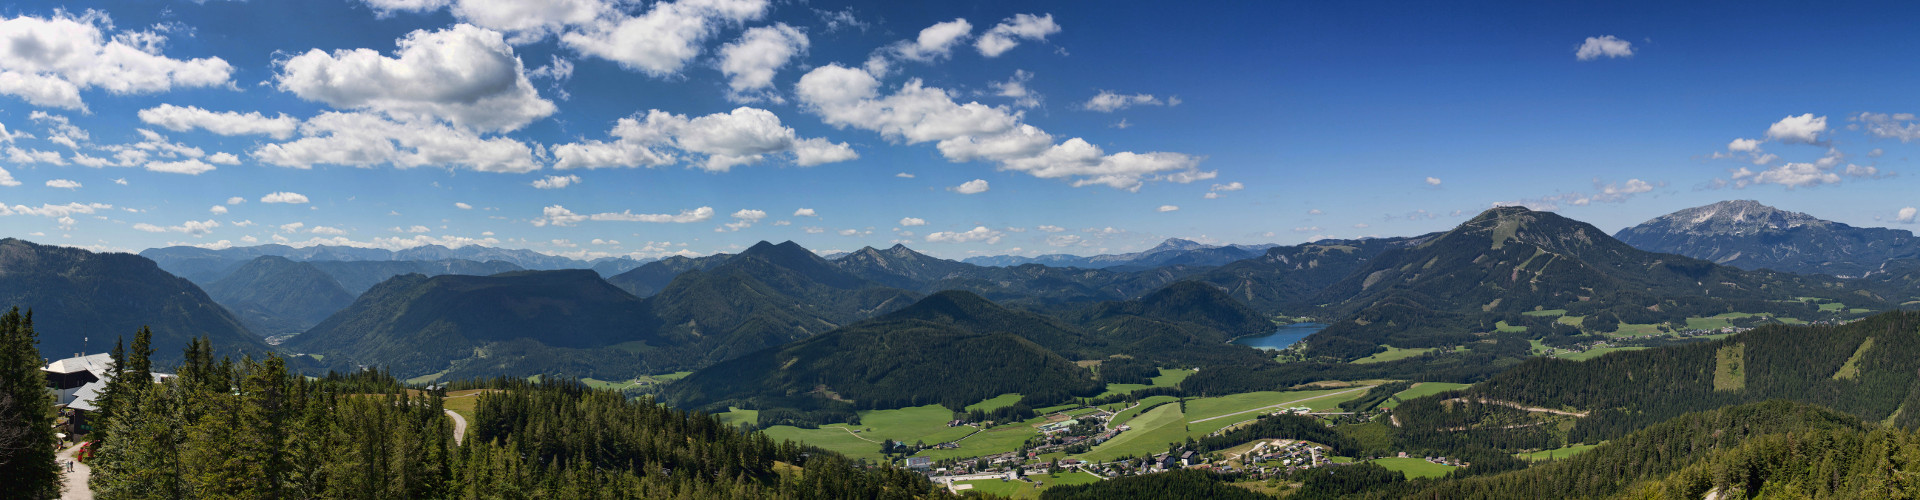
1330	394
76	487
1518	406
856	435
459	427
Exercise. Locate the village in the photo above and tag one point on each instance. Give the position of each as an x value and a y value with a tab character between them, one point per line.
1073	431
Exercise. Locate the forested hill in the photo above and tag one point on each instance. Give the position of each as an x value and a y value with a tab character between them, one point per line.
1286	278
1512	260
952	348
273	295
1748	235
768	295
1869	368
649	278
525	322
82	301
356	276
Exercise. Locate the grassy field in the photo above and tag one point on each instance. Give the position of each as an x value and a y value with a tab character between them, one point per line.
1394	354
1558	453
1716	321
1000	439
1423	389
1503	327
996	402
1629	329
1547	312
463	402
833	438
1026	489
1168	378
1571	320
925	424
1124	416
1414	467
1151	433
1203	408
736	416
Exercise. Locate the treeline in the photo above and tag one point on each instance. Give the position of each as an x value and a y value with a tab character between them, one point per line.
249	429
1176	484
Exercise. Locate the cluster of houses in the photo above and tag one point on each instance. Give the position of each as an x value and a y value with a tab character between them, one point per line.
77	384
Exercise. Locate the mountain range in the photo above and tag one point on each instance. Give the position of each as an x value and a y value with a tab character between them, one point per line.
1749	235
1174	251
202	265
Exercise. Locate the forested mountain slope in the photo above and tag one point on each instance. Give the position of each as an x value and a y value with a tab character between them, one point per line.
953	348
356	276
81	301
273	295
1511	260
526	322
649	278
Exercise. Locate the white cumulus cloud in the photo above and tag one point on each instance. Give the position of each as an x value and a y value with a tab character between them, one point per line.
556	181
182	119
1803	129
719	142
63	184
1907	215
559	216
1603	46
1168	208
662	40
975	186
284	197
47	61
751	62
912	221
805	212
978	233
1008	34
466	75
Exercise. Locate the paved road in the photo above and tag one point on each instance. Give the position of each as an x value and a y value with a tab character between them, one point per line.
459	427
76	487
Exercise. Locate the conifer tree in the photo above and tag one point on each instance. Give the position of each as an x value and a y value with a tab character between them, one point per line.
26	422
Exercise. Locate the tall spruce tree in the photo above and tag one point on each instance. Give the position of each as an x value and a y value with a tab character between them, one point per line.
26	418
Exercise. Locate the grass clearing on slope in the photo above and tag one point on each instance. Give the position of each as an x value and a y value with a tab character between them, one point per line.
1414	467
1557	453
736	416
1393	354
1424	389
1546	312
1852	368
1225	411
997	402
1169	377
1597	352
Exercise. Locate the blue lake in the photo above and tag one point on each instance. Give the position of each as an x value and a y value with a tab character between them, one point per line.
1283	337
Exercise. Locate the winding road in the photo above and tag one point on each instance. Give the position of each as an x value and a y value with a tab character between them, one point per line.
459	427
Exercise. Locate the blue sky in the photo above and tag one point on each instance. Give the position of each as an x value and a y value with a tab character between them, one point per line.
595	128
